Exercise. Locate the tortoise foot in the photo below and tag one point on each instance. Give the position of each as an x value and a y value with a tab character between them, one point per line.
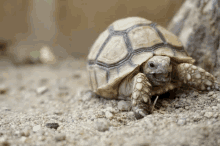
141	110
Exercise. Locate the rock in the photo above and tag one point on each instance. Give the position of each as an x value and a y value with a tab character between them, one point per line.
52	125
214	96
60	137
211	93
23	139
197	117
41	138
100	114
181	121
208	114
3	89
102	125
42	90
124	105
36	128
26	132
108	115
215	115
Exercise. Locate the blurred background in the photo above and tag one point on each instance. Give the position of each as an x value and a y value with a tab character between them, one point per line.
62	28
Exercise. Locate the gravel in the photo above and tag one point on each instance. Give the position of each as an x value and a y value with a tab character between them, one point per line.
68	113
36	128
42	90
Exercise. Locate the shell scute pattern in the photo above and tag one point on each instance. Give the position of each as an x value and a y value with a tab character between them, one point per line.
114	51
144	36
123	47
97	45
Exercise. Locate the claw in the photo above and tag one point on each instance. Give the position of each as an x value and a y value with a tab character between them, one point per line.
145	98
139	114
142	110
142	113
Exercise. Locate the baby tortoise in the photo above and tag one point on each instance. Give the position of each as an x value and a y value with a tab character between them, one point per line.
137	58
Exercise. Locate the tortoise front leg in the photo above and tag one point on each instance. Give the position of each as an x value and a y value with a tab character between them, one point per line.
141	96
196	77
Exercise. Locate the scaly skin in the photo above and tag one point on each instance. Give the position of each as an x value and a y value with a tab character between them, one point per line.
140	89
141	95
196	77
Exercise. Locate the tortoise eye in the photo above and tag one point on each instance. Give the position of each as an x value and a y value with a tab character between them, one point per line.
152	65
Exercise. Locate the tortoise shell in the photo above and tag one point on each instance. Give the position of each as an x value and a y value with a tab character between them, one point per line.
123	47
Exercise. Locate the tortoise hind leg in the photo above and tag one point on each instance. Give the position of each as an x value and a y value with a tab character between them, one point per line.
141	94
196	77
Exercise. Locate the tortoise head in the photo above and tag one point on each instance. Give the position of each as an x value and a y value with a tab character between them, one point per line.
158	70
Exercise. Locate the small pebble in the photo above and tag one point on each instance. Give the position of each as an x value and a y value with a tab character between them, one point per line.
102	125
124	105
60	137
36	128
52	125
181	121
187	107
195	94
208	114
108	115
42	90
3	89
23	139
215	115
41	138
214	96
211	93
26	132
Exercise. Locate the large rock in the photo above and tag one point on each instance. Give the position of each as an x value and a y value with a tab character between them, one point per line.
198	25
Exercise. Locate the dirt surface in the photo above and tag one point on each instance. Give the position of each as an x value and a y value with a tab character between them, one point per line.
52	105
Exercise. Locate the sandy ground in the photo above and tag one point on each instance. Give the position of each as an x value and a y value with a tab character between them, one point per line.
52	105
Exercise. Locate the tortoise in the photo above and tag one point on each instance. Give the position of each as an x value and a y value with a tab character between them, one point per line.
135	58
